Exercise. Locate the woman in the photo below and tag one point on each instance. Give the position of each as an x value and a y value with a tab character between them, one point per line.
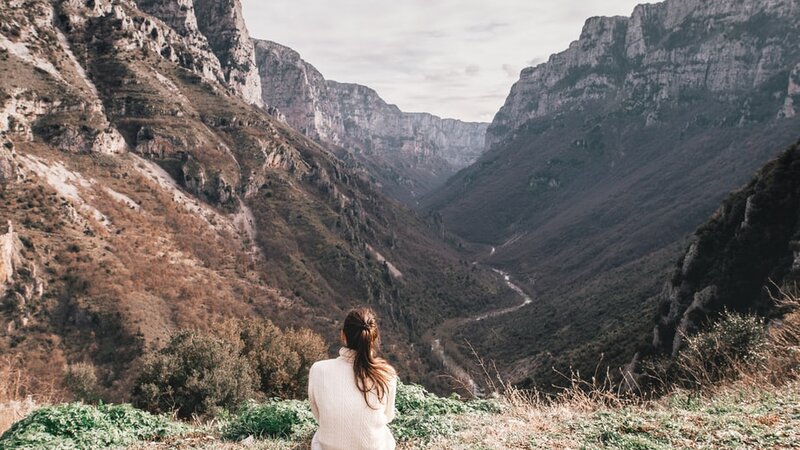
352	396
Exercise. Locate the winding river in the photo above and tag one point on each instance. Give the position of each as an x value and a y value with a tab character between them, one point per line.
455	370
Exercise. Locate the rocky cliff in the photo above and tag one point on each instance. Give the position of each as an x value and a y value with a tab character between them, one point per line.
739	259
410	153
663	52
606	157
141	193
215	27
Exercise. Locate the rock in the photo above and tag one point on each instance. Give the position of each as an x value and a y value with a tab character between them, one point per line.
222	22
178	14
8	168
10	256
789	110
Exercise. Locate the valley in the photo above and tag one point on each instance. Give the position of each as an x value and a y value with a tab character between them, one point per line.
603	161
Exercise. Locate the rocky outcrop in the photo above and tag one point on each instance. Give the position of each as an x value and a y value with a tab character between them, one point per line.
421	150
10	256
792	95
220	28
223	25
20	284
663	53
177	14
739	258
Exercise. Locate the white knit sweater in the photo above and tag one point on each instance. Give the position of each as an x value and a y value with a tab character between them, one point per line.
346	422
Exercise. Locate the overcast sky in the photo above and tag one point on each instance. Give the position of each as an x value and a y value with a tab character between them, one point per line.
452	58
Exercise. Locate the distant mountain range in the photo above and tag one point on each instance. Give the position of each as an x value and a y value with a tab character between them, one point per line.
407	154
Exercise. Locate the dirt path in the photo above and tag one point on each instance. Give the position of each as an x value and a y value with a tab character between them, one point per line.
447	328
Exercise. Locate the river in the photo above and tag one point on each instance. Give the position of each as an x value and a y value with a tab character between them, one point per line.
455	370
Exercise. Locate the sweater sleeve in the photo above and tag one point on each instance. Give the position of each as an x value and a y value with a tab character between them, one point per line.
311	399
390	397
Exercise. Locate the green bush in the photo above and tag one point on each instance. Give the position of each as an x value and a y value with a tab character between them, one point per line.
195	374
281	359
80	426
81	381
732	344
275	419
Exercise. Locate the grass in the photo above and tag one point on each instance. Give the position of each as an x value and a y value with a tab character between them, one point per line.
739	415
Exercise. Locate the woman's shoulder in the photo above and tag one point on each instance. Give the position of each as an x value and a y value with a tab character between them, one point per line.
322	364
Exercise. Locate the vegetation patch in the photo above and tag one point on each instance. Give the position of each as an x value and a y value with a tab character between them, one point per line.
423	416
288	419
195	374
80	426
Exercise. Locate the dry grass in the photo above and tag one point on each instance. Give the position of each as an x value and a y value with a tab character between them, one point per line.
17	397
15	410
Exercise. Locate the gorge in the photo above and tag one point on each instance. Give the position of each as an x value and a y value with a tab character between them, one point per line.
161	169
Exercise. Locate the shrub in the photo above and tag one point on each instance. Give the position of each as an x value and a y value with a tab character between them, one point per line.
195	374
76	425
280	359
732	344
275	419
81	381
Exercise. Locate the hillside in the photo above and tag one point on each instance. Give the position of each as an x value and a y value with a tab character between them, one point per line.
606	157
143	189
740	260
407	154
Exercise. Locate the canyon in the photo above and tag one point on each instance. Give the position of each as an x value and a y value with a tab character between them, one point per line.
605	159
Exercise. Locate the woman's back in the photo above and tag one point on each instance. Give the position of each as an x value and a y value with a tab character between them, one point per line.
346	421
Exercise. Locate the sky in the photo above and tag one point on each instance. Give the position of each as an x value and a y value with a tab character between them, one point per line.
452	58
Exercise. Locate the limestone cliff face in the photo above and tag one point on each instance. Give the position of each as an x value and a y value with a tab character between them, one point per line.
662	52
223	24
413	151
217	28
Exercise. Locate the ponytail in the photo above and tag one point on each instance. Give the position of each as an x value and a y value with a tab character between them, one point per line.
371	372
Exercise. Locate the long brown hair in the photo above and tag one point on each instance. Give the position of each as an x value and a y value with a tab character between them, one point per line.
362	335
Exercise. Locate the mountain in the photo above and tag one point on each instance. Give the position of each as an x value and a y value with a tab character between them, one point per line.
605	158
409	154
143	189
740	259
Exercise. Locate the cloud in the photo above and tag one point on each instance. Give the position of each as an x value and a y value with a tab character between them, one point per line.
487	28
437	56
472	69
